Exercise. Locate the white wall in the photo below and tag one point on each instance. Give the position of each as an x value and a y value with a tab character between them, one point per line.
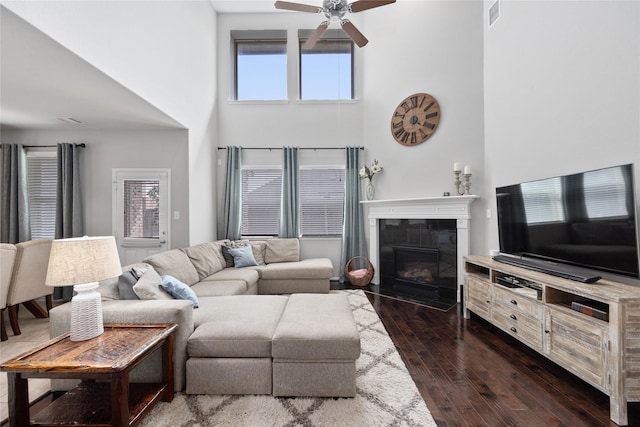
562	91
108	149
417	46
164	51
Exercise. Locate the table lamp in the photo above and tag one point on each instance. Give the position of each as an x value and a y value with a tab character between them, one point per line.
82	262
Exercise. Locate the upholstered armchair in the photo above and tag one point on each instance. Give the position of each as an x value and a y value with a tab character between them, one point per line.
27	280
7	258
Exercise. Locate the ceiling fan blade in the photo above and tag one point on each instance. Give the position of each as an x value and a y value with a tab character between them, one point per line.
298	7
311	42
360	5
353	32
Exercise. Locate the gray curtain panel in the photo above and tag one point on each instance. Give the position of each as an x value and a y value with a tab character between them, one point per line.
231	215
353	238
290	195
69	204
14	204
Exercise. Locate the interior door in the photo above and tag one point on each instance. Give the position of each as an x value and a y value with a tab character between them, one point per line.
140	212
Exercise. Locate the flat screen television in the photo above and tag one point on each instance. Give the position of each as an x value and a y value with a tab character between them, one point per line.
572	225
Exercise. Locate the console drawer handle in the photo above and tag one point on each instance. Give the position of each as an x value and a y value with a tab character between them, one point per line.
513	316
514	330
514	302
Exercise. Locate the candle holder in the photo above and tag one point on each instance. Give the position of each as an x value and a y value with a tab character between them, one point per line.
458	183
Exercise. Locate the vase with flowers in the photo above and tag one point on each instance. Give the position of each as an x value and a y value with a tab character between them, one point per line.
368	173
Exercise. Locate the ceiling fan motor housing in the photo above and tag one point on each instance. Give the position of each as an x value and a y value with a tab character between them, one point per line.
334	8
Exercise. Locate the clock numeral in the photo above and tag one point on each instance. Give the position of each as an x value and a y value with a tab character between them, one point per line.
428	106
405	137
413	138
397	125
434	114
406	106
414	101
422	101
396	114
422	134
399	132
428	125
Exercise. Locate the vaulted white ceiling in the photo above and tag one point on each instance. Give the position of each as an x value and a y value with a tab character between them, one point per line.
41	82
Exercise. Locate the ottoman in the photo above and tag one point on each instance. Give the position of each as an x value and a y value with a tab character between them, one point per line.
230	350
315	346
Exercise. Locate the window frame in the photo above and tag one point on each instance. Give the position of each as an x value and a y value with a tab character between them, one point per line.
329	35
51	154
257	36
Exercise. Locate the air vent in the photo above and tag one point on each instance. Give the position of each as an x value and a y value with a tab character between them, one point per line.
494	13
70	120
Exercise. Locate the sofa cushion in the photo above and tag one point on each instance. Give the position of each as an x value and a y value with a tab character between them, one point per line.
243	257
174	263
259	247
314	268
178	290
148	286
206	258
248	275
282	250
216	288
236	326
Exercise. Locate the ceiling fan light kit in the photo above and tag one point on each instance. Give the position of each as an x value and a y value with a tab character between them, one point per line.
335	10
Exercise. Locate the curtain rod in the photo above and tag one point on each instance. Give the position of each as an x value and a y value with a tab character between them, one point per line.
81	145
301	148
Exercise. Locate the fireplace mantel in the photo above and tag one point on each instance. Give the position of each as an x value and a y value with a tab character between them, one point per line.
451	207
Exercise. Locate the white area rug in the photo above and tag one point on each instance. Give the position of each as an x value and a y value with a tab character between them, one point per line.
386	394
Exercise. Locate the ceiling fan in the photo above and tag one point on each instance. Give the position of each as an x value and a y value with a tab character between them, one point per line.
335	9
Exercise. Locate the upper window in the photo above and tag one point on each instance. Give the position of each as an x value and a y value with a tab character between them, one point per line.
42	178
326	70
260	72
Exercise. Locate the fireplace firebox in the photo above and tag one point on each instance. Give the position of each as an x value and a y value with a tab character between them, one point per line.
419	255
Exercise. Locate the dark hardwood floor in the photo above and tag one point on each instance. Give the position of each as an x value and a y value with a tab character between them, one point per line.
472	374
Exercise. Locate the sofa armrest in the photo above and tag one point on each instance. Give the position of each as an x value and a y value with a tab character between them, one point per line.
138	312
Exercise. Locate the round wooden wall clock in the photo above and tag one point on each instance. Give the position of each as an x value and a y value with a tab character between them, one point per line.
415	119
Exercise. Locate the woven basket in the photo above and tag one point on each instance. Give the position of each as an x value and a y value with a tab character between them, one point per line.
358	280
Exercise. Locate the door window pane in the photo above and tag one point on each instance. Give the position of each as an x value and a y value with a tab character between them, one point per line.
141	209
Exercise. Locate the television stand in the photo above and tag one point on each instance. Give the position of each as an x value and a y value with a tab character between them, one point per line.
560	270
591	331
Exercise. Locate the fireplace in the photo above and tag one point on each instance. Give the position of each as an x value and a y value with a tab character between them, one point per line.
419	254
449	235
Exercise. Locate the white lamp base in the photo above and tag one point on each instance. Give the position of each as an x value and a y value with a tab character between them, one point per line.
86	313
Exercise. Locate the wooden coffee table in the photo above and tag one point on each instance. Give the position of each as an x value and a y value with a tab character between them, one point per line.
109	357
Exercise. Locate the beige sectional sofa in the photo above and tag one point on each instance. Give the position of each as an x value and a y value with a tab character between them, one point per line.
228	312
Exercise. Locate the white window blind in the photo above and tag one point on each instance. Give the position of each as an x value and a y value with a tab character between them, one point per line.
321	201
141	209
261	201
42	176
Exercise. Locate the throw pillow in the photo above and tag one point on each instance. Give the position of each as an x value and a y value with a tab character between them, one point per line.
243	257
230	244
178	290
125	285
148	286
258	248
282	250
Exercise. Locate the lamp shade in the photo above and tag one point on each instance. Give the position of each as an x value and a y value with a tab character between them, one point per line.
82	260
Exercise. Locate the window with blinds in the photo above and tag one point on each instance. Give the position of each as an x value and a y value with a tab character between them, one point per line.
42	175
141	209
321	201
261	201
604	195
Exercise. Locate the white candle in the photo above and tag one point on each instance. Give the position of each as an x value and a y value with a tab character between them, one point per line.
456	167
467	169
